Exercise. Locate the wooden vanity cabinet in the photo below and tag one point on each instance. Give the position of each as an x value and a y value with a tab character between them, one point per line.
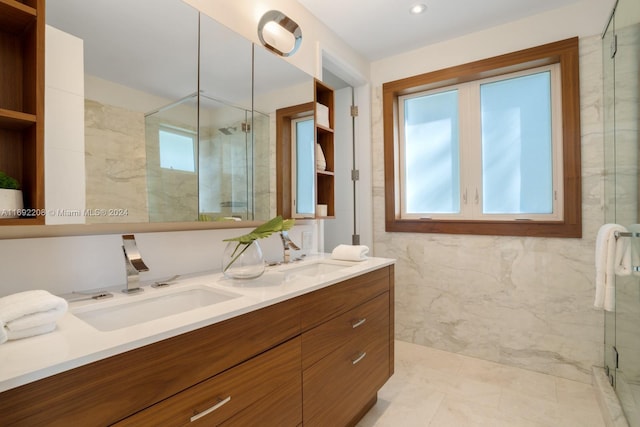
318	359
109	390
349	355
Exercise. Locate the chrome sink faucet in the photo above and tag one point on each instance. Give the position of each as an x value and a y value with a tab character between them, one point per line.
133	264
288	245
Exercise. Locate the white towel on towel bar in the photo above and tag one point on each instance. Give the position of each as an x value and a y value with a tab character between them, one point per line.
612	256
29	313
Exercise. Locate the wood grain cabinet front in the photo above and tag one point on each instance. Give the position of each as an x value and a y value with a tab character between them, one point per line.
350	326
344	383
214	401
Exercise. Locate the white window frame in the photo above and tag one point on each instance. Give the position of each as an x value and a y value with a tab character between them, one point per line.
470	151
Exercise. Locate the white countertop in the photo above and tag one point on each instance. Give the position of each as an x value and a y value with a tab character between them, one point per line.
75	343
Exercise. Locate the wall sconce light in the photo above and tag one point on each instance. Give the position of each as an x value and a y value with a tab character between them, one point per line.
279	33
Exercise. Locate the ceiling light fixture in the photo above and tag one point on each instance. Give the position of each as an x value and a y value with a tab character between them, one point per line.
418	9
279	33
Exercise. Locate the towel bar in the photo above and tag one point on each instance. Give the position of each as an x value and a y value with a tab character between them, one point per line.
626	234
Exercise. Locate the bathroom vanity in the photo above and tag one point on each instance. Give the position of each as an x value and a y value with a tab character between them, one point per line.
295	350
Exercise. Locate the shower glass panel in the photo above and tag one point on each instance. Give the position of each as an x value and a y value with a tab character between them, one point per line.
621	55
609	185
225	161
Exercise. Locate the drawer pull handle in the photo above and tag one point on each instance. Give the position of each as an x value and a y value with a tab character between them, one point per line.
358	322
359	358
210	410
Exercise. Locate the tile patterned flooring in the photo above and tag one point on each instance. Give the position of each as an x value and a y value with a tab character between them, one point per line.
435	388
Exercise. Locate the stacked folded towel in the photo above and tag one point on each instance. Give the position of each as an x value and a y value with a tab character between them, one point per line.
350	252
29	313
613	257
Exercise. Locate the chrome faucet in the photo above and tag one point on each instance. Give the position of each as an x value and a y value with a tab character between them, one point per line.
288	245
133	263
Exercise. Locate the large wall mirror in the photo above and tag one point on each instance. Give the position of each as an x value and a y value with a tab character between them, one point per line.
179	112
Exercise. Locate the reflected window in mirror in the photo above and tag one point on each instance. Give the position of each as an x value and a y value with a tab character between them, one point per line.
302	138
177	149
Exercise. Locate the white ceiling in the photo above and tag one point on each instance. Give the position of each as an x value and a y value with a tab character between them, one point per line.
382	28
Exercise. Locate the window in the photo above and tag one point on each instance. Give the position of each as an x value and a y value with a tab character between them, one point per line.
177	149
490	147
304	170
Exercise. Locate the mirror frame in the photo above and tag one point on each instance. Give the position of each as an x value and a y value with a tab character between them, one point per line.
37	231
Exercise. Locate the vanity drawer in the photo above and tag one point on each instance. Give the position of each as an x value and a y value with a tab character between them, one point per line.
282	408
326	338
227	394
340	385
324	304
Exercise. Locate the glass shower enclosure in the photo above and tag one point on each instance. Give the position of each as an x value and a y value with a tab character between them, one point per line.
200	161
621	72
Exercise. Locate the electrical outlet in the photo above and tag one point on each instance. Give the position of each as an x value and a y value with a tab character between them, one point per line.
307	240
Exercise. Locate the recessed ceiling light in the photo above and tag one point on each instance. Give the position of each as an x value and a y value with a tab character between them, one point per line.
418	9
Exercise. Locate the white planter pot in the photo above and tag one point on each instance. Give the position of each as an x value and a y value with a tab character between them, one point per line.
10	203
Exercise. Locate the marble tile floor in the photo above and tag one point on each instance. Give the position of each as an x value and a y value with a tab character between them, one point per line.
435	388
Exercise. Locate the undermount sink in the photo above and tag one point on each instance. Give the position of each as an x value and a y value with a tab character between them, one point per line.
128	312
315	269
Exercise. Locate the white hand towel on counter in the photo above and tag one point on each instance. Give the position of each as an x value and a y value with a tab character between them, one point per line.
29	313
612	257
350	252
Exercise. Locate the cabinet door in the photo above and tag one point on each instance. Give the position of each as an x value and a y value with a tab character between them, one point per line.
221	397
338	387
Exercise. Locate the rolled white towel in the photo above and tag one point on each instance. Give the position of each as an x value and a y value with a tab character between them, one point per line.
29	313
350	252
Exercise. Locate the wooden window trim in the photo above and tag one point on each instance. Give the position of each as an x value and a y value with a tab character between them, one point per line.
565	53
284	116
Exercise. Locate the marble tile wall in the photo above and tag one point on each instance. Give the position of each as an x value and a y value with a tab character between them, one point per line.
115	163
264	191
525	302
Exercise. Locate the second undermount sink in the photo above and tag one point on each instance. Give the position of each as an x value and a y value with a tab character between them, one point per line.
315	269
143	308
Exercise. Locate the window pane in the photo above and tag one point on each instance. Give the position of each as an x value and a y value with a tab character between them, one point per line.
516	145
431	154
176	151
305	167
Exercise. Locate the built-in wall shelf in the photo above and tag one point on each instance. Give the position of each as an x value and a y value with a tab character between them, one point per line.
15	16
22	26
324	135
321	128
16	120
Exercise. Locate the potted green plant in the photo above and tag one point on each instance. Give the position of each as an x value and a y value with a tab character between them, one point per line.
10	197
